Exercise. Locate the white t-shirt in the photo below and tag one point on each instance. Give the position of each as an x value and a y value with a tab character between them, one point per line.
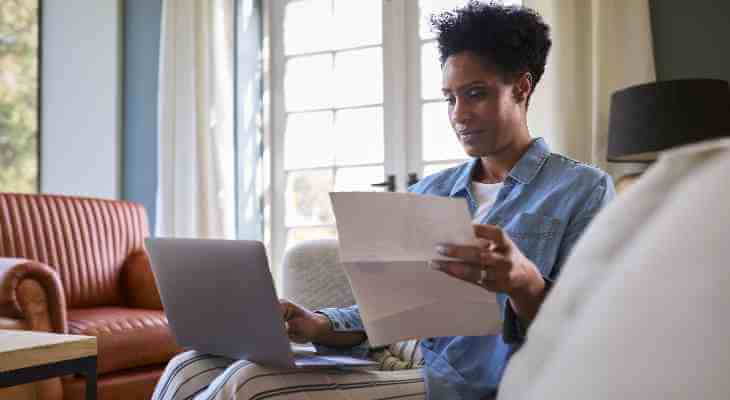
486	195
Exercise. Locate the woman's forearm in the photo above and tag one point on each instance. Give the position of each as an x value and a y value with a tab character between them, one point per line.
526	301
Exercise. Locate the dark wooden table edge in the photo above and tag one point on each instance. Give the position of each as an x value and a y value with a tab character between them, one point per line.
85	366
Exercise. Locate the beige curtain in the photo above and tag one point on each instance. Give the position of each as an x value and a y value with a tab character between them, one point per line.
196	183
599	46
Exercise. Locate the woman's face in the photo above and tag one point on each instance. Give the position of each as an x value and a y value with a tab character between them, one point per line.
482	107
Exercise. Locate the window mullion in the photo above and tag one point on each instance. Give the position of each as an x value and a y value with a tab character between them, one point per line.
276	224
395	87
414	105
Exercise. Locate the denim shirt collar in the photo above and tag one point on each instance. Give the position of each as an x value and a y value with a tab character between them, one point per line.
523	172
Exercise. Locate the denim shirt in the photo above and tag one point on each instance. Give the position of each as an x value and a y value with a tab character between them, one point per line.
545	204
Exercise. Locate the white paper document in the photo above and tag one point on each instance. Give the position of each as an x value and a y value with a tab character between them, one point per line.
386	242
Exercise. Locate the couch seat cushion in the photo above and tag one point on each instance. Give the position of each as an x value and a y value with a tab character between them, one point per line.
126	337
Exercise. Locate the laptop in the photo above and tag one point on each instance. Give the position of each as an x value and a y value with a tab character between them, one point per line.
219	298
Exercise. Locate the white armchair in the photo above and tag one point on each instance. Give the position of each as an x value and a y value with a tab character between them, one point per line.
313	277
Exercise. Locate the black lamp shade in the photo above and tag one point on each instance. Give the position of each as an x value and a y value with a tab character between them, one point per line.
649	118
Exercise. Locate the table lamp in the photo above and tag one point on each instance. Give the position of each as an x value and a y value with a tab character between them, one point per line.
646	119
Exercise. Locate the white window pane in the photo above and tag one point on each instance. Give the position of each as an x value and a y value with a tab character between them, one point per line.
430	72
307	198
431	169
297	235
428	7
308	140
308	82
358	23
359	136
307	26
439	139
359	77
358	179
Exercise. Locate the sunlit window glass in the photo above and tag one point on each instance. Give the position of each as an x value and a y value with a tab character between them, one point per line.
307	199
359	136
308	82
359	77
430	72
307	26
357	179
357	23
19	96
439	140
298	235
303	129
430	169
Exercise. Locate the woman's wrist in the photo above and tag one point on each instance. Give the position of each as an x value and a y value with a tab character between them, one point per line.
526	299
325	327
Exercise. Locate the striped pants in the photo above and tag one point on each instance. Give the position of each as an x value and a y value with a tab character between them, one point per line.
193	375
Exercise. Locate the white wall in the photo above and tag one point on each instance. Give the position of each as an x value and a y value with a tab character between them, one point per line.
81	97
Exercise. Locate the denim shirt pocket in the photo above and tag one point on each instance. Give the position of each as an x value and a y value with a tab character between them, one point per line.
538	238
443	381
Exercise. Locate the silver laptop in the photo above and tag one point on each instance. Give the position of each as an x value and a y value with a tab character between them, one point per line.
219	298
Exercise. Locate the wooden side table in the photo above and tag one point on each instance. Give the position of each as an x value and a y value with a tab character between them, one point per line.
27	356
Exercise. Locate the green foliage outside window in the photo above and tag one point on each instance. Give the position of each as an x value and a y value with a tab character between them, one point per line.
19	95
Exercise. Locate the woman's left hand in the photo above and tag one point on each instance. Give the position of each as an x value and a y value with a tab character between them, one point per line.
493	262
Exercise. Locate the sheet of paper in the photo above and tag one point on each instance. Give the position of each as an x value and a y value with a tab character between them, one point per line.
405	300
376	226
386	242
303	348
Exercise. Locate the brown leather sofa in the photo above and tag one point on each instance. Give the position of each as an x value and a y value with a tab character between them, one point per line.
78	265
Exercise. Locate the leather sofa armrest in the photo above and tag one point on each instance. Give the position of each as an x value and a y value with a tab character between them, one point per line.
32	292
140	289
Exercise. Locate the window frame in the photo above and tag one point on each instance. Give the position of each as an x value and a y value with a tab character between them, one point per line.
395	112
402	105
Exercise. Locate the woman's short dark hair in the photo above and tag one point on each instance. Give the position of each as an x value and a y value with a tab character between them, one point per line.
513	39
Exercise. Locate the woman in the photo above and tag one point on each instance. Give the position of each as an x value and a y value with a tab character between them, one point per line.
529	206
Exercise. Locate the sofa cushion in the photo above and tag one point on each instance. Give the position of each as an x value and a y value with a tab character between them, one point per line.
126	337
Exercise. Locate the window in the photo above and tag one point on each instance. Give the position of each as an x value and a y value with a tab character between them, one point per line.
354	100
19	95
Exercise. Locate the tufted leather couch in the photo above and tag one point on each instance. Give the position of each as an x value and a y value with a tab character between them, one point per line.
77	265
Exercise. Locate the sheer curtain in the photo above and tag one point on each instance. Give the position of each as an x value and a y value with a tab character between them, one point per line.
196	192
598	47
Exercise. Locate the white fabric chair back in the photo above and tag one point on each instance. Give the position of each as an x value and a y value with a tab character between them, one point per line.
313	277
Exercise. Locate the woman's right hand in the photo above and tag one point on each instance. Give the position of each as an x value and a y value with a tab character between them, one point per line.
303	325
